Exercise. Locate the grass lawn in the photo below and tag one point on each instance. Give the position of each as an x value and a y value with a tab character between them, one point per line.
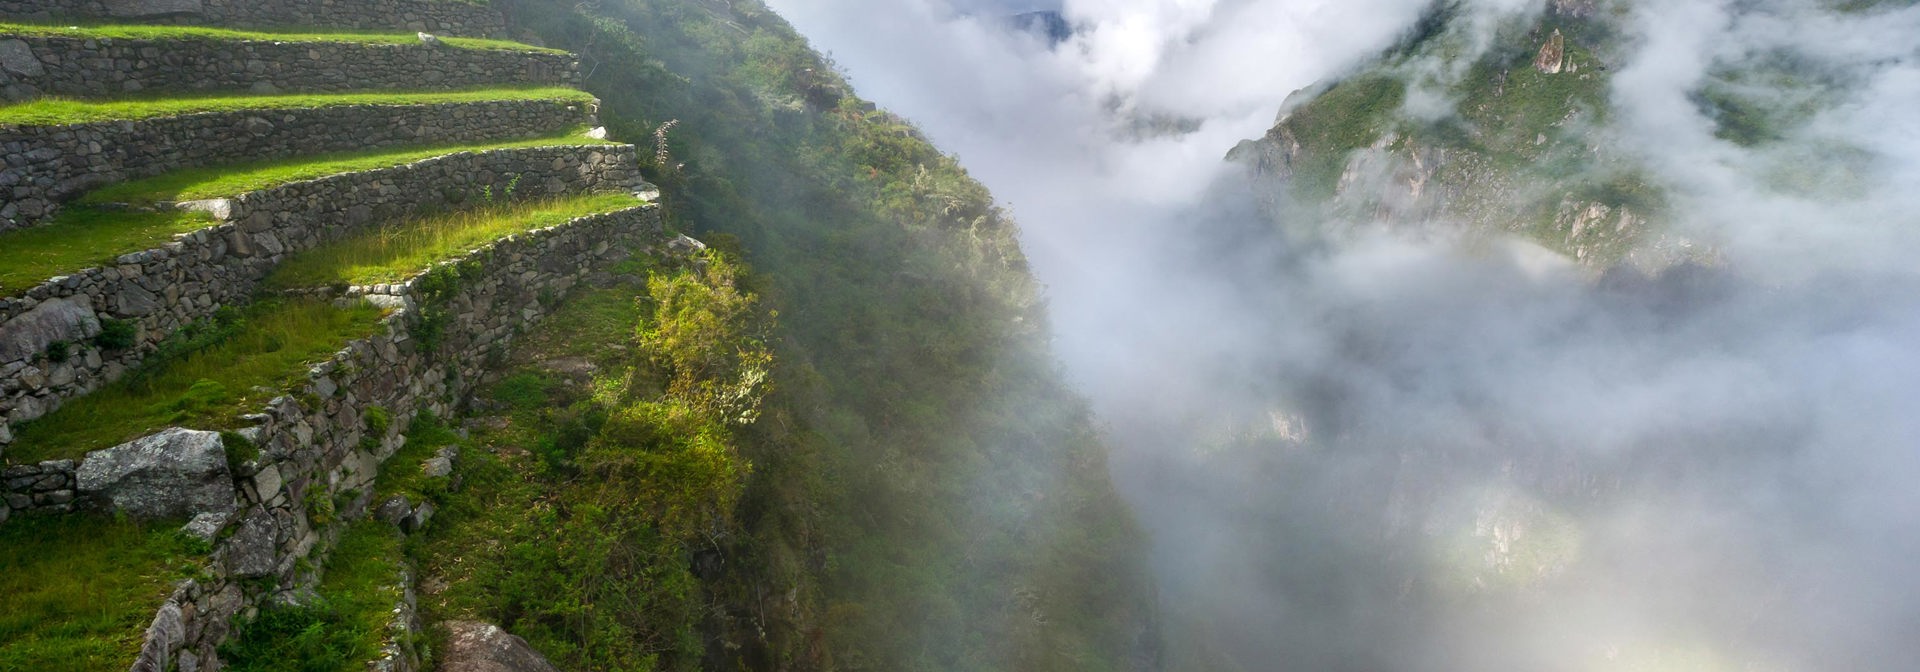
341	632
200	183
405	249
80	589
205	378
136	32
84	235
58	111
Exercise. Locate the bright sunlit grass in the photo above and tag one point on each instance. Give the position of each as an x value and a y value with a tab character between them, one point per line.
80	590
84	237
400	251
210	377
136	32
201	183
57	111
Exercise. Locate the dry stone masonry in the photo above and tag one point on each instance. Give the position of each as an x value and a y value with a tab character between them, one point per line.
164	289
453	17
315	444
34	66
46	165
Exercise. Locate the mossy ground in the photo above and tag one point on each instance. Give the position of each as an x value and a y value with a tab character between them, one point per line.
58	111
204	378
139	32
118	219
343	629
80	589
401	250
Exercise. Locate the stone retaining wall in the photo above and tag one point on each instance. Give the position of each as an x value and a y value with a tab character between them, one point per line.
451	17
163	289
47	165
37	66
314	444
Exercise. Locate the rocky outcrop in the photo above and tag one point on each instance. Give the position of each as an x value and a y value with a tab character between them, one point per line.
484	647
175	474
1553	55
453	17
85	67
47	165
158	291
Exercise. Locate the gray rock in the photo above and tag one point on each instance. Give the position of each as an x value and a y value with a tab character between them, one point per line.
207	526
684	244
429	39
29	334
598	133
484	647
141	8
250	551
395	510
177	473
438	466
220	208
416	522
16	57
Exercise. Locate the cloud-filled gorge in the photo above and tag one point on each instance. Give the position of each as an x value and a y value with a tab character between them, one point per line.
1404	442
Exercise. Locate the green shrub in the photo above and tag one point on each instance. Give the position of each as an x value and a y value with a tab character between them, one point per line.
117	334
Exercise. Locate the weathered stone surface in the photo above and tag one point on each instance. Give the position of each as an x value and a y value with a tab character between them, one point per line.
149	8
207	526
177	473
450	18
58	320
17	57
250	553
484	647
394	510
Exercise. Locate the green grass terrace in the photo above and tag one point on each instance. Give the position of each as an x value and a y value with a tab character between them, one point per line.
100	226
81	589
405	249
344	628
60	111
137	32
204	377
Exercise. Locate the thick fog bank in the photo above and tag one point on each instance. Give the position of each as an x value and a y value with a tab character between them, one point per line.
1416	448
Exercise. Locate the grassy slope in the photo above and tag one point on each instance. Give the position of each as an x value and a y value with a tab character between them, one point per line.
206	379
341	631
52	111
80	590
138	32
405	249
925	494
89	233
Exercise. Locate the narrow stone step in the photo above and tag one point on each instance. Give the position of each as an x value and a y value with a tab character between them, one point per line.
451	17
49	164
80	63
155	292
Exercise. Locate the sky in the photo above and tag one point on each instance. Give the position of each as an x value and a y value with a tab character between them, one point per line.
1408	449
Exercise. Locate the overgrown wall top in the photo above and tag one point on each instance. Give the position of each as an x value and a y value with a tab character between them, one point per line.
449	17
104	68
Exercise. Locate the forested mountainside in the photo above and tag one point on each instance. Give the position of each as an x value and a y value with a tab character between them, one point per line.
919	491
373	347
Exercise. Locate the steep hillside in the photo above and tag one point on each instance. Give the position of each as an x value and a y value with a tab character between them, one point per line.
321	350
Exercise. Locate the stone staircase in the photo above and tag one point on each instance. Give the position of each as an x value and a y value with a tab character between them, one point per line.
261	498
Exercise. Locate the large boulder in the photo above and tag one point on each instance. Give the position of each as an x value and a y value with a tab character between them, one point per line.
177	473
28	334
484	647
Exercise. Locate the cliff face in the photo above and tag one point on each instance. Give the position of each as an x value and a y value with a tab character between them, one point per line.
1512	137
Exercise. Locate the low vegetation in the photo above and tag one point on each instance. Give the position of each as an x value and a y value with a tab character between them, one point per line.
202	183
342	629
81	589
401	250
117	220
82	237
591	502
139	32
57	111
204	377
